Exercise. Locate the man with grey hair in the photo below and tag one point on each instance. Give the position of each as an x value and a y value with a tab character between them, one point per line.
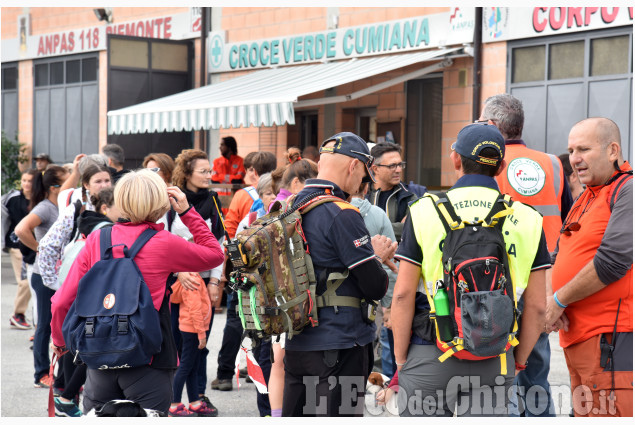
115	156
537	179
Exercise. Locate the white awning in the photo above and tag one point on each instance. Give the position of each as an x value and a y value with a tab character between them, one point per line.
261	98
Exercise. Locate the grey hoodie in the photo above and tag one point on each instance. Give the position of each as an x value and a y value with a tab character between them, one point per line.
377	223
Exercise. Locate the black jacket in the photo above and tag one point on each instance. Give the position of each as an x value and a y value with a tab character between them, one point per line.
397	203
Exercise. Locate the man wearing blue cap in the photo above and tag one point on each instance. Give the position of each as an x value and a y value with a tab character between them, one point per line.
327	366
433	386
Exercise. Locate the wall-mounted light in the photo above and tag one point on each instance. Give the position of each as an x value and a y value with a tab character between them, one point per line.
104	14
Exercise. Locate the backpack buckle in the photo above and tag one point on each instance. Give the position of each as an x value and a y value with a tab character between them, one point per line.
89	327
122	325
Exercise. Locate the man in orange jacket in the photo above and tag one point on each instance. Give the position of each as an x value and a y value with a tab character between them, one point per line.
537	179
228	167
592	279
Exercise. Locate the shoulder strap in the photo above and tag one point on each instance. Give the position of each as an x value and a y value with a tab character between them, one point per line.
104	241
143	238
70	195
618	186
322	199
446	212
496	217
78	206
252	192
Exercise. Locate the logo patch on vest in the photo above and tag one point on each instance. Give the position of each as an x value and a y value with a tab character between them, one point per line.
526	176
109	301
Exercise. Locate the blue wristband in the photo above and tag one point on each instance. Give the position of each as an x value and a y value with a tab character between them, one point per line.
555	298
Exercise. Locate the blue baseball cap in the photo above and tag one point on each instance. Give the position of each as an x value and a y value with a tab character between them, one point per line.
473	138
352	145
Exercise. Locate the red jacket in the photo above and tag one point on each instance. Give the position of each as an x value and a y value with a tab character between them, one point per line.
195	312
165	253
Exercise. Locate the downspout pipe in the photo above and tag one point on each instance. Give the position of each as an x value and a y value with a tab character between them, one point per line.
203	75
476	78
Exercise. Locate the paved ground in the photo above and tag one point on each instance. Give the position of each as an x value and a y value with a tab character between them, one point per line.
20	399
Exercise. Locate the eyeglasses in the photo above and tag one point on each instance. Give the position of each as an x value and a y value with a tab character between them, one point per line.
393	167
204	171
485	121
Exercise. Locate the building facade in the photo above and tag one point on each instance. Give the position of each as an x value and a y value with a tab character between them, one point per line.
274	78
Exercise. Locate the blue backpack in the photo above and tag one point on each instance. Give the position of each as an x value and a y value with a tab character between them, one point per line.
112	324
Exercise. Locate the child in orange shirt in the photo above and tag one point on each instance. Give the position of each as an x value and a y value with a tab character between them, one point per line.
194	317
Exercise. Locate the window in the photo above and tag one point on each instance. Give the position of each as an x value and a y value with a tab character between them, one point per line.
56	75
73	71
128	53
605	57
528	64
169	57
89	69
42	75
10	78
566	60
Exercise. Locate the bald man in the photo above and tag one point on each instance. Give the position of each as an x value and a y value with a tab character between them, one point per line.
592	280
327	366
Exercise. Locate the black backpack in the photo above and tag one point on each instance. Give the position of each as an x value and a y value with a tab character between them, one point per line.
482	321
112	324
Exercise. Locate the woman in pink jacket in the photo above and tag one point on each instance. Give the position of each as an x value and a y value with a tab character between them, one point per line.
142	197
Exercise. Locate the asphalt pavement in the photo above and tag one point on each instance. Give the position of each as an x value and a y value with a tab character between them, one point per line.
20	399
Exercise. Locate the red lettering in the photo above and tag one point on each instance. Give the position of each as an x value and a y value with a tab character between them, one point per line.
96	38
56	42
150	29
608	18
49	44
130	28
40	47
167	27
139	32
588	11
109	29
574	13
64	47
630	12
539	26
71	41
554	23
158	22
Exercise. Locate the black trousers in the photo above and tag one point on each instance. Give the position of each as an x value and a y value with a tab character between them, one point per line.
326	383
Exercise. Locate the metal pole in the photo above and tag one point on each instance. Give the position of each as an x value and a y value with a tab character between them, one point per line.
203	76
476	84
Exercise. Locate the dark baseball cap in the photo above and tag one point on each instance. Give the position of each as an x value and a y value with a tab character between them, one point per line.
352	145
473	138
43	156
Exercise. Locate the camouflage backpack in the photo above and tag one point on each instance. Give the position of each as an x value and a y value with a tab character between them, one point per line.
273	273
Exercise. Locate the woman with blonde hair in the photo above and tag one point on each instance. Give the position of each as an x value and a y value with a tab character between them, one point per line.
142	197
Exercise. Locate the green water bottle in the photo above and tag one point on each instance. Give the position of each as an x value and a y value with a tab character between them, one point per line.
443	318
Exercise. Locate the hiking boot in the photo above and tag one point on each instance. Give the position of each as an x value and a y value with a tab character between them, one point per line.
68	409
44	382
19	322
222	384
203	409
180	411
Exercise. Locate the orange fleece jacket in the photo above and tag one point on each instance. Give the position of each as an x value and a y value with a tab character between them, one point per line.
195	312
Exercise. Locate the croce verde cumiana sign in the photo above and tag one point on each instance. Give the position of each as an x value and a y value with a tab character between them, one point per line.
415	33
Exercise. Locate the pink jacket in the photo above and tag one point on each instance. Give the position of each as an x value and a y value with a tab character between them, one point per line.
195	312
165	253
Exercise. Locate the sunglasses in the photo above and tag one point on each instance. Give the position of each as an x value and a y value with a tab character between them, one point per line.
571	227
370	160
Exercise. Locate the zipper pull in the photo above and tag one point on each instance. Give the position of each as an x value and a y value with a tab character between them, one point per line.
463	286
487	270
76	354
